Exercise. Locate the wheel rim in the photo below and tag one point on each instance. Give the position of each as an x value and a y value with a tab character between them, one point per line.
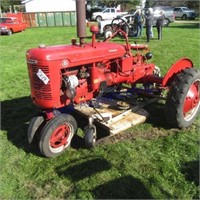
108	34
98	19
60	138
192	101
166	22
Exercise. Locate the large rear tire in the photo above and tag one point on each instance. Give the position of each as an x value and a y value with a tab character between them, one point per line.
183	99
56	136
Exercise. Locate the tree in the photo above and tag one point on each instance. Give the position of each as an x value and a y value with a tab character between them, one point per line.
125	4
7	5
149	3
194	4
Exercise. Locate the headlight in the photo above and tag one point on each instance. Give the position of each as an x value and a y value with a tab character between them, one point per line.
4	28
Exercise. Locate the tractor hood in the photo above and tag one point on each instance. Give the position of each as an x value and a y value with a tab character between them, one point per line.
75	54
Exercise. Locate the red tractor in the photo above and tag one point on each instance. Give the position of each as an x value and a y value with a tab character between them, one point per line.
71	74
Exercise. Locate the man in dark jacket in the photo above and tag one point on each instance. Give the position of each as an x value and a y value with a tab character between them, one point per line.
159	24
149	22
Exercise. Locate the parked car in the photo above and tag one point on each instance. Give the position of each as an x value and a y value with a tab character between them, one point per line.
10	25
108	13
168	13
106	27
184	13
91	11
126	23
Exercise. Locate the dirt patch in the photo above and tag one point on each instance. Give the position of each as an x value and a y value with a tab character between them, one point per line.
127	135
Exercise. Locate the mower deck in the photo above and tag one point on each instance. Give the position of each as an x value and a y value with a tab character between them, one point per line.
116	116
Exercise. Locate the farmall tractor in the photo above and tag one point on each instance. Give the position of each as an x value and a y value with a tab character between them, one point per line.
61	76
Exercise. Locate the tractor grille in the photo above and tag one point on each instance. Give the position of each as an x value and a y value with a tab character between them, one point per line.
41	91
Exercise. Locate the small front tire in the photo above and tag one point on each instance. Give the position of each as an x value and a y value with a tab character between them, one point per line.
56	136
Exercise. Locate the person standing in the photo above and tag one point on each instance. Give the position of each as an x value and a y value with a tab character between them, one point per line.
159	24
139	23
149	23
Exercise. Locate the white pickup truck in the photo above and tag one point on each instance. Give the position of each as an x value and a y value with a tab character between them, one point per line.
108	13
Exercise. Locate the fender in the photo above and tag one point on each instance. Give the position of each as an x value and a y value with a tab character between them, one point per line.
180	65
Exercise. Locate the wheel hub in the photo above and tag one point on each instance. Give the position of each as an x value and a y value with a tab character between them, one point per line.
60	136
192	99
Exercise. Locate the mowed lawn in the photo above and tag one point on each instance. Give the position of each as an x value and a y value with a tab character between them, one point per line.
149	161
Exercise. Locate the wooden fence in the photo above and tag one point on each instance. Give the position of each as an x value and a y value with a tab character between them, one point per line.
46	19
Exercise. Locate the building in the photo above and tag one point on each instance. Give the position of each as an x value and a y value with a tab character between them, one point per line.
49	5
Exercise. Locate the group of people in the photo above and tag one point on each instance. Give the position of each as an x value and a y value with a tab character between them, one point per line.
148	20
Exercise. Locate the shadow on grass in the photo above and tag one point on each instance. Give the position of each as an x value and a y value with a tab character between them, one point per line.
80	169
157	116
191	171
187	25
126	187
15	116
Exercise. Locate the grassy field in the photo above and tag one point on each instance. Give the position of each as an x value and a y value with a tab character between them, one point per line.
149	161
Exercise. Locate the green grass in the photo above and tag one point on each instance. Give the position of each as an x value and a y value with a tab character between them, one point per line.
147	161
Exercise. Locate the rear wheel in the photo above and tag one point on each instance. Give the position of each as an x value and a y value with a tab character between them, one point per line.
183	100
56	136
184	17
108	33
98	18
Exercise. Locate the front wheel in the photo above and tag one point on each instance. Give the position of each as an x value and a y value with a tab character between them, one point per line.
56	136
183	99
10	32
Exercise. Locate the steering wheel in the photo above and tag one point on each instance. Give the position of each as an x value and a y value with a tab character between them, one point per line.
120	24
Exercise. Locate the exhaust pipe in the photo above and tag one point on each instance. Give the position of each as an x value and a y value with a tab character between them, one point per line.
81	20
